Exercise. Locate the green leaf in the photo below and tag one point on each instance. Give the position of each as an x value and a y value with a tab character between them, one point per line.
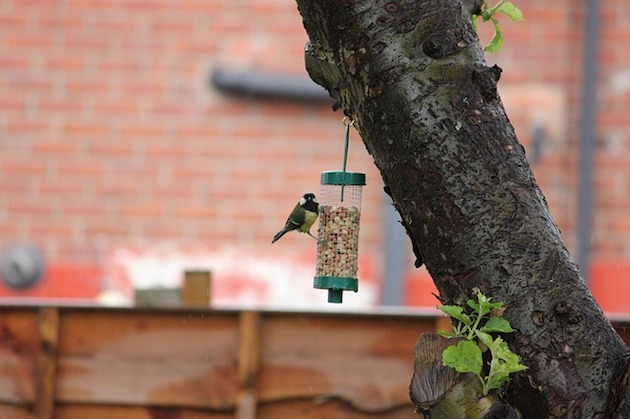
498	375
497	40
485	338
473	304
511	11
497	325
456	312
500	371
483	305
501	350
504	362
448	335
465	357
486	14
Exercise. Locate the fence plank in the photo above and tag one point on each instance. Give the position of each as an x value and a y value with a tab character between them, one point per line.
155	358
249	364
19	346
363	361
48	327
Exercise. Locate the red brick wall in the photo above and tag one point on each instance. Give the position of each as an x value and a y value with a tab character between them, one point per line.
111	135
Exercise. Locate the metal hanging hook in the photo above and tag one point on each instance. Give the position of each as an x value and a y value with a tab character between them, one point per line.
348	123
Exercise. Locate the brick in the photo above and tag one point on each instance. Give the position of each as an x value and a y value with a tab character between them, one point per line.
34	208
65	63
161	230
24	168
619	223
171	24
204	132
80	167
134	65
142	210
188	210
143	5
31	41
84	6
15	20
105	147
138	129
81	86
29	81
176	108
11	232
197	7
153	88
49	229
107	228
13	62
284	110
14	183
58	22
59	105
11	102
84	261
114	186
166	151
119	106
55	146
68	186
84	128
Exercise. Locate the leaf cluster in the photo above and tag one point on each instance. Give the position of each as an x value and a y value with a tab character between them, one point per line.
484	317
488	13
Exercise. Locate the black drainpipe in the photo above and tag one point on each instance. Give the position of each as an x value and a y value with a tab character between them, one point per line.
587	133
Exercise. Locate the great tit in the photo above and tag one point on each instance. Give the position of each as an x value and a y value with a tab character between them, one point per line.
301	218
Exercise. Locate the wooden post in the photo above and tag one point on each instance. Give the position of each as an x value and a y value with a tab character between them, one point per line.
248	364
196	289
48	325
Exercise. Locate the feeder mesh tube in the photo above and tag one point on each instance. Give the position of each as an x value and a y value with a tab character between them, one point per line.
338	231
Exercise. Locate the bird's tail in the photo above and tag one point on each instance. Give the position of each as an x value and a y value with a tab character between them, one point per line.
280	234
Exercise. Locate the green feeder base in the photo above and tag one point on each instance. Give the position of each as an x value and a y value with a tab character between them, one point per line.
336	286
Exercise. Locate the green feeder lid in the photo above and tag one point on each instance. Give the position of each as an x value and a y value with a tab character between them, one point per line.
337	178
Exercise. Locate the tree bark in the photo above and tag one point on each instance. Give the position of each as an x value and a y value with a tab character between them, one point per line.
413	77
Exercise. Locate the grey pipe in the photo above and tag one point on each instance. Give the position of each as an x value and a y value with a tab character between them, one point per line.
587	133
252	84
394	256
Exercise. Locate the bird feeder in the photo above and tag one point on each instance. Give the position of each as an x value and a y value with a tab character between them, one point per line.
338	233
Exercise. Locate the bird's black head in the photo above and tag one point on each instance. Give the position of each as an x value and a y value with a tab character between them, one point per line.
309	197
309	202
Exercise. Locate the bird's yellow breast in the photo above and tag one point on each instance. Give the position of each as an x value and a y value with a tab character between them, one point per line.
309	219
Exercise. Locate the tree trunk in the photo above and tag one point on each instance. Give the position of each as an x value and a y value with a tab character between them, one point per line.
412	76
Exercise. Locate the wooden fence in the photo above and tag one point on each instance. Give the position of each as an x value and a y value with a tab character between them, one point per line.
201	363
93	363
